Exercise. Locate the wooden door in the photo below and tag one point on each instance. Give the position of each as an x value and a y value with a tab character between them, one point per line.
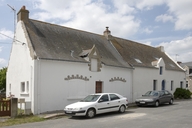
98	87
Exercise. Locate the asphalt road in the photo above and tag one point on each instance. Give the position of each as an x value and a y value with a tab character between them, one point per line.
178	115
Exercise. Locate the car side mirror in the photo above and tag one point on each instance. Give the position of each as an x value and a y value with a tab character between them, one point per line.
101	100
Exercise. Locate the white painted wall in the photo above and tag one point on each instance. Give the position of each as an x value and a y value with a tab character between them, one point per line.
20	67
143	79
55	92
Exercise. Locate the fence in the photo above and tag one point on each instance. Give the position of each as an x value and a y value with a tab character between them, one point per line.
5	107
9	107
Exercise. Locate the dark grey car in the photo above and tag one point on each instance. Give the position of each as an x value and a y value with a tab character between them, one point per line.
155	98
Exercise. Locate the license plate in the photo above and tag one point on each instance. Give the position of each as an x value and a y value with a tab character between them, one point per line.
68	112
142	102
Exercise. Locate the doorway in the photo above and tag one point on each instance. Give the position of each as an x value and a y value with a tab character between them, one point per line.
98	87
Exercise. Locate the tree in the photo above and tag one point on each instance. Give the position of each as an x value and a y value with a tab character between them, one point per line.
3	78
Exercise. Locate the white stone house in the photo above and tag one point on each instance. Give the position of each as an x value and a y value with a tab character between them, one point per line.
51	66
188	70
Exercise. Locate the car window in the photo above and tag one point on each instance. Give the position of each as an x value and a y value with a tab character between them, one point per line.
151	93
104	98
90	98
113	97
162	93
166	93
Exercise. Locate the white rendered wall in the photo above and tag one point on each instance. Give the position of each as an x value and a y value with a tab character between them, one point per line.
20	67
143	80
55	92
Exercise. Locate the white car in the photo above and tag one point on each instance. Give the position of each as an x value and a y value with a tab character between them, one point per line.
96	104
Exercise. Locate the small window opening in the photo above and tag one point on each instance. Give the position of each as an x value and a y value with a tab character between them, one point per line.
138	61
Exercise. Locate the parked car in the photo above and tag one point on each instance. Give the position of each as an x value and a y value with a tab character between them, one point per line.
96	104
155	98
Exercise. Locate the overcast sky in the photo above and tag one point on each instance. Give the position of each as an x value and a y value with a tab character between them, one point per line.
165	23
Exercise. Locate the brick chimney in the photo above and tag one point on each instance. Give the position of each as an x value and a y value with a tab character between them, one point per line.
23	14
107	33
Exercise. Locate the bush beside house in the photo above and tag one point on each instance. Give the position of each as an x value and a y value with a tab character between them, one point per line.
181	93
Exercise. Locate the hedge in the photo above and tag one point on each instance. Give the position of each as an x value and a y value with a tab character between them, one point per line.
181	93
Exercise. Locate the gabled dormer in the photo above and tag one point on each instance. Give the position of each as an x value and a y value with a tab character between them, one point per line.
159	64
92	55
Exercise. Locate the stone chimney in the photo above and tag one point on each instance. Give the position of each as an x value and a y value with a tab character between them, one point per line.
161	48
107	33
23	14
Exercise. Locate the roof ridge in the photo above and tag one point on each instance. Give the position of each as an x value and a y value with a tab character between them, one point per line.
65	27
134	42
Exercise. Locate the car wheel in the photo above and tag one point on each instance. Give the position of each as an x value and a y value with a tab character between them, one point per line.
122	109
171	101
90	113
156	103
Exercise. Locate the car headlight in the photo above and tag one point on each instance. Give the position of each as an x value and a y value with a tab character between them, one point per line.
76	109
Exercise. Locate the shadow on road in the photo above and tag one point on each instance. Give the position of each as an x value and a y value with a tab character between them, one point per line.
110	114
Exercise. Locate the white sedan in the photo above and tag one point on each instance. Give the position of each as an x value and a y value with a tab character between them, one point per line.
96	104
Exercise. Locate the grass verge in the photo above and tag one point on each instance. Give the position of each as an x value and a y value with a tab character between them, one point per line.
21	119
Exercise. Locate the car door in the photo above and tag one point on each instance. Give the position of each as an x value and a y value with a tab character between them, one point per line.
162	97
115	102
103	104
168	96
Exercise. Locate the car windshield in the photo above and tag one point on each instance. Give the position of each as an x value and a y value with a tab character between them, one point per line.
90	98
151	93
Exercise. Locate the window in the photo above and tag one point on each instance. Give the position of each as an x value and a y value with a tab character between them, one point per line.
161	70
113	97
22	87
9	87
171	85
187	84
104	98
27	89
181	84
154	84
138	61
190	71
94	65
167	93
163	85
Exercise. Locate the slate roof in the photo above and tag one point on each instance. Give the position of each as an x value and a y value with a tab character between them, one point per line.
131	50
56	42
188	64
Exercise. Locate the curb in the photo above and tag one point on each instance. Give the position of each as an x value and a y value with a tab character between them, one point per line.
53	115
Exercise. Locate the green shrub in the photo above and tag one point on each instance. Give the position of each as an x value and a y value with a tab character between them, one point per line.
181	93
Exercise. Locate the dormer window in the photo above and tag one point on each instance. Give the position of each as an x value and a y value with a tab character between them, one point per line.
94	64
160	70
138	61
92	55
